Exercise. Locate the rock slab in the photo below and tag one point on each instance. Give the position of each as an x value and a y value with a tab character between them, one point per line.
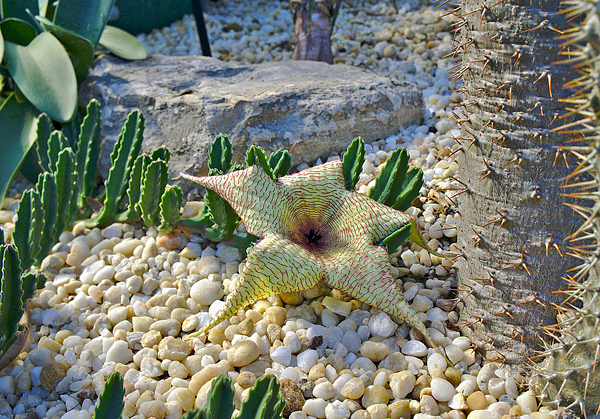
188	100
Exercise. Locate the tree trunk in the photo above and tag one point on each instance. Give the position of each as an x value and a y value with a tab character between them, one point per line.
514	222
312	43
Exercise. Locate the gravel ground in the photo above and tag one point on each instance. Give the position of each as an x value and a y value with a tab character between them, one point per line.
121	298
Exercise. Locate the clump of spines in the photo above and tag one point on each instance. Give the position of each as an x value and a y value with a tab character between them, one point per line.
570	376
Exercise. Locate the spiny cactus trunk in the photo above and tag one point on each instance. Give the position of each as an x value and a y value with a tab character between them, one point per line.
313	41
570	376
514	221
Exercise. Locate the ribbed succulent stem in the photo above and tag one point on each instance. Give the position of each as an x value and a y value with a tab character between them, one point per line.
570	375
514	223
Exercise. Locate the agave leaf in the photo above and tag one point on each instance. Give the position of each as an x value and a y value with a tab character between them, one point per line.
264	400
86	18
88	150
110	403
11	306
43	72
170	208
123	44
80	49
353	161
18	122
219	403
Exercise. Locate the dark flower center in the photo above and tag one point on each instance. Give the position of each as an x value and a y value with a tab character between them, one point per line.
313	237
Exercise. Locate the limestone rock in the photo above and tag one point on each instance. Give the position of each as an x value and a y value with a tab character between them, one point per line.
188	100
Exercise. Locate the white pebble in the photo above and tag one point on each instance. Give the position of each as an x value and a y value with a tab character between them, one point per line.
307	359
282	355
315	408
337	410
414	348
442	390
380	324
119	352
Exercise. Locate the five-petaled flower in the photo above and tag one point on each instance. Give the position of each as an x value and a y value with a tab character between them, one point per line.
312	229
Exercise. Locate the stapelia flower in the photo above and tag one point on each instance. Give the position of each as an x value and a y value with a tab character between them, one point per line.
312	229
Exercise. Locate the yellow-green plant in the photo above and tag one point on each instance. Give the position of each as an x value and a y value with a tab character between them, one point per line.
313	229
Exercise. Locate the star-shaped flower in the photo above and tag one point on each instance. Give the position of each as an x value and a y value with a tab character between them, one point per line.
312	229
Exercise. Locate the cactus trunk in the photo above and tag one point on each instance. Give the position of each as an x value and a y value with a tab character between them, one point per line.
514	222
569	375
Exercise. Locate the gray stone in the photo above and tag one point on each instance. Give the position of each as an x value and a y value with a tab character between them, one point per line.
188	100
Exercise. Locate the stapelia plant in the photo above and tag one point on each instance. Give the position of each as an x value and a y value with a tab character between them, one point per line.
264	401
313	230
217	221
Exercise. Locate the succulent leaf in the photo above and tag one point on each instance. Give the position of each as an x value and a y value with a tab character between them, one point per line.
11	306
353	161
388	184
220	400
264	400
24	229
220	154
410	189
65	189
256	156
110	403
88	151
123	156
56	143
280	163
170	208
44	130
29	285
153	185
47	189
161	153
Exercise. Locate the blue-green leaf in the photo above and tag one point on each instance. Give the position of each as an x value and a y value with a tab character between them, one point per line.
123	44
17	135
79	48
110	403
43	72
86	18
17	31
